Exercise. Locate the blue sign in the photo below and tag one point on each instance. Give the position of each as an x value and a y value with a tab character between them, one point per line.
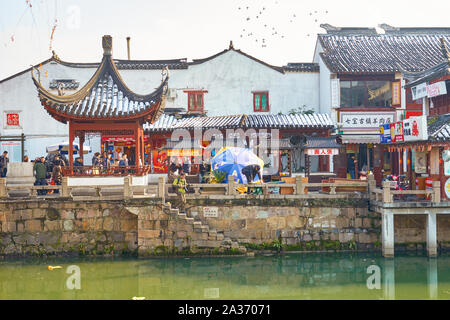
385	133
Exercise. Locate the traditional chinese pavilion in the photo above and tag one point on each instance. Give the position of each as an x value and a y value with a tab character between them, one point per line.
106	106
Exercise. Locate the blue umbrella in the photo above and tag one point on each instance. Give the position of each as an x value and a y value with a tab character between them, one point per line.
232	160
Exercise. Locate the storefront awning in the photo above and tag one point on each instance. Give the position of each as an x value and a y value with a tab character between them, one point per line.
360	139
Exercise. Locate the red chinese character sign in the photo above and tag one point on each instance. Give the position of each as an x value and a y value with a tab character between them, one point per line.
396	94
397	132
322	152
11	120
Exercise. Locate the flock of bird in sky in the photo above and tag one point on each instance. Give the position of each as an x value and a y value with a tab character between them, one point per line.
260	27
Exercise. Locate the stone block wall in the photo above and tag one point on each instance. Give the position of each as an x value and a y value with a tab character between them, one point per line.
146	227
64	227
324	225
410	232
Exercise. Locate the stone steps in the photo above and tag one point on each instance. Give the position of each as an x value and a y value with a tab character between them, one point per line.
210	238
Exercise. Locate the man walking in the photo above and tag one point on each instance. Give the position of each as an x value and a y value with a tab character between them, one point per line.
180	185
4	160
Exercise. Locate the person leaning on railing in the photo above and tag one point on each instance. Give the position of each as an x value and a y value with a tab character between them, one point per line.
40	172
78	164
57	173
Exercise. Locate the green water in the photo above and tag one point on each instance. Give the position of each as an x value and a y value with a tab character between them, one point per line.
293	276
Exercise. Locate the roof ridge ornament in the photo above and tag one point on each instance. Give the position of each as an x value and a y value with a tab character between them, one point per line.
107	45
55	56
164	73
387	27
328	27
231	47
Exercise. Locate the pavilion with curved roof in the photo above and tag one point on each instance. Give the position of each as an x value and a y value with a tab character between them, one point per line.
107	106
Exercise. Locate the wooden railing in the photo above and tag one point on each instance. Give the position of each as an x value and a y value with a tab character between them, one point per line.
386	195
91	171
299	188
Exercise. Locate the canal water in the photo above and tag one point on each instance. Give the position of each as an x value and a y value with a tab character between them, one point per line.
292	276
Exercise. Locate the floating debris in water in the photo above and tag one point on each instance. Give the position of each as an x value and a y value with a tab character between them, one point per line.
51	268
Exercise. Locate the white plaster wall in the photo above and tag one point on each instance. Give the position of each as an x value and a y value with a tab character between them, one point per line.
324	83
229	79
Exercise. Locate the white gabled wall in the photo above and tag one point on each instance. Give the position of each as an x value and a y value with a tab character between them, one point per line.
229	79
324	84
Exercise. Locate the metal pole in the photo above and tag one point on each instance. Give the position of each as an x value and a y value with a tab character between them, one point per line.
23	146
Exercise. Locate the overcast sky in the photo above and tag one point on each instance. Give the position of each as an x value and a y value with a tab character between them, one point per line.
275	31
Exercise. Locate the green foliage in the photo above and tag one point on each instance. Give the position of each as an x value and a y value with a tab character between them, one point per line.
219	176
299	110
352	244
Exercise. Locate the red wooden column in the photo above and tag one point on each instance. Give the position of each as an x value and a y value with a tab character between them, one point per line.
81	150
142	147
137	149
71	138
442	173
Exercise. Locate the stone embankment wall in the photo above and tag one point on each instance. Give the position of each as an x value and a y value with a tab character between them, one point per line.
57	227
148	228
235	226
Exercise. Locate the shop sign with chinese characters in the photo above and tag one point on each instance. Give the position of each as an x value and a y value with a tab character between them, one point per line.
397	132
12	120
415	129
385	134
365	120
322	152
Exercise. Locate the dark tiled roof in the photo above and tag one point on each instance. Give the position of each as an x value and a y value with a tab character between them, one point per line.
435	72
288	121
169	122
151	64
301	67
105	96
321	142
381	53
438	71
220	122
164	123
439	130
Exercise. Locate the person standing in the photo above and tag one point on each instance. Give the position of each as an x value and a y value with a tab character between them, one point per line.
4	160
186	165
180	186
57	173
40	173
351	165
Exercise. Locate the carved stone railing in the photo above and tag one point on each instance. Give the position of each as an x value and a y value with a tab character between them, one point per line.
299	188
387	195
91	171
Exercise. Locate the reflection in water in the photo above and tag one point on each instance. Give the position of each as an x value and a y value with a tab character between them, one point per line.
432	279
389	279
292	276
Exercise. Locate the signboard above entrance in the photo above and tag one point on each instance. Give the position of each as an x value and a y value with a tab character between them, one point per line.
366	120
322	152
431	90
415	129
